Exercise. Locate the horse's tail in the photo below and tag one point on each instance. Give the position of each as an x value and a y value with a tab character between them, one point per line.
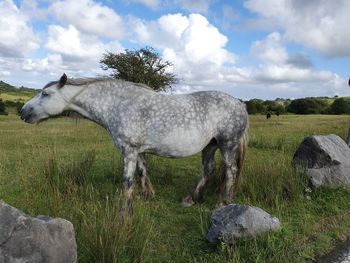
241	151
240	156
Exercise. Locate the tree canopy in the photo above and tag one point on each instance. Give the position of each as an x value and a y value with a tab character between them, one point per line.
340	106
140	66
308	106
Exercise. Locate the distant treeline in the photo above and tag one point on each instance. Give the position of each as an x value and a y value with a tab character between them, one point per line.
310	105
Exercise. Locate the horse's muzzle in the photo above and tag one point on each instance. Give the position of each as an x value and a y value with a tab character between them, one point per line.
26	114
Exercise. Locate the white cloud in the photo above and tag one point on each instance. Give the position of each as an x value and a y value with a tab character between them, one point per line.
4	73
66	48
71	43
201	60
229	18
17	39
48	65
270	50
322	25
200	6
89	17
195	46
270	73
69	51
194	6
154	4
282	70
33	11
75	46
279	66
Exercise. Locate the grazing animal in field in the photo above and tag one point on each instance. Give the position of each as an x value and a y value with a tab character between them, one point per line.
142	121
268	115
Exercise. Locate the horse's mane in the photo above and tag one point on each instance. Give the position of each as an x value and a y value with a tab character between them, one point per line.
84	81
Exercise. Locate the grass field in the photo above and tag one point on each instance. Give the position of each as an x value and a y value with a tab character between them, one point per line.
66	169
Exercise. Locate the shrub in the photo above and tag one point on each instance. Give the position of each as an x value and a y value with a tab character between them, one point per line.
17	104
255	106
307	106
340	106
2	108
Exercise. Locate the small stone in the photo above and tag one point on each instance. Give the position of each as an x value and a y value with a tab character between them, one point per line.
234	221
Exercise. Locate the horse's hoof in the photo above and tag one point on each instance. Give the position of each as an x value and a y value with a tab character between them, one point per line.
188	201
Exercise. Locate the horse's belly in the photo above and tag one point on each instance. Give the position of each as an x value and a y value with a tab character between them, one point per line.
183	142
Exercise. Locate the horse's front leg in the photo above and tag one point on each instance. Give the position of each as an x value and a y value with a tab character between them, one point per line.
130	162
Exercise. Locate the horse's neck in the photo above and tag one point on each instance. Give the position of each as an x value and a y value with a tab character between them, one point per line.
96	102
88	102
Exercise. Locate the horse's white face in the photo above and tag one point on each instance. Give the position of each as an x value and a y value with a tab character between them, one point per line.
49	102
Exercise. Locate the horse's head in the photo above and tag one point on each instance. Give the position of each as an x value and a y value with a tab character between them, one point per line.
49	102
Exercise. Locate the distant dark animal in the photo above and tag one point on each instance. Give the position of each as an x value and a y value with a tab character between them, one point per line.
268	115
141	121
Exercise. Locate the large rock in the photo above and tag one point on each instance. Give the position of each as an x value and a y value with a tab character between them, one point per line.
326	159
40	240
234	221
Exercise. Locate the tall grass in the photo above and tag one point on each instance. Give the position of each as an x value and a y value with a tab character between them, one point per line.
104	233
73	171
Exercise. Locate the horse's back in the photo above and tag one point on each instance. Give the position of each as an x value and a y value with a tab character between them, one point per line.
181	125
219	99
228	111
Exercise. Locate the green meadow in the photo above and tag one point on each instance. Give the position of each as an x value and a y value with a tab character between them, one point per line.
69	168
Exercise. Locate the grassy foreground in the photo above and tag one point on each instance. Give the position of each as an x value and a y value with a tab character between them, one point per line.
72	170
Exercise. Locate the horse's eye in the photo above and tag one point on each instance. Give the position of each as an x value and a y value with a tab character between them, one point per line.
44	94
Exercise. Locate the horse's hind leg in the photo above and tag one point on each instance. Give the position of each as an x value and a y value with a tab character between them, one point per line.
208	167
147	187
230	173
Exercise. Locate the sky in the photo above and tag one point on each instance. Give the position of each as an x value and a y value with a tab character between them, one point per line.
263	49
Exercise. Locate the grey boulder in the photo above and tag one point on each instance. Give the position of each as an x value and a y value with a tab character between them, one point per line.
234	221
326	160
40	240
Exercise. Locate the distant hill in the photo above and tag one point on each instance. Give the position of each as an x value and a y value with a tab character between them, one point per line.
11	93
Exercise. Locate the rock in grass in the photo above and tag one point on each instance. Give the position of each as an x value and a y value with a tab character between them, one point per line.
41	240
326	160
234	221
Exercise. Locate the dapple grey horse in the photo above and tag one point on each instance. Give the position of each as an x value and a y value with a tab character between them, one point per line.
141	121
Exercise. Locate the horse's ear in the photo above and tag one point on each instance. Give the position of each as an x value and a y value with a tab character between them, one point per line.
62	81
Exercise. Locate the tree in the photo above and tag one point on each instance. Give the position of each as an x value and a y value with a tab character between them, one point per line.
255	106
140	66
340	106
308	106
